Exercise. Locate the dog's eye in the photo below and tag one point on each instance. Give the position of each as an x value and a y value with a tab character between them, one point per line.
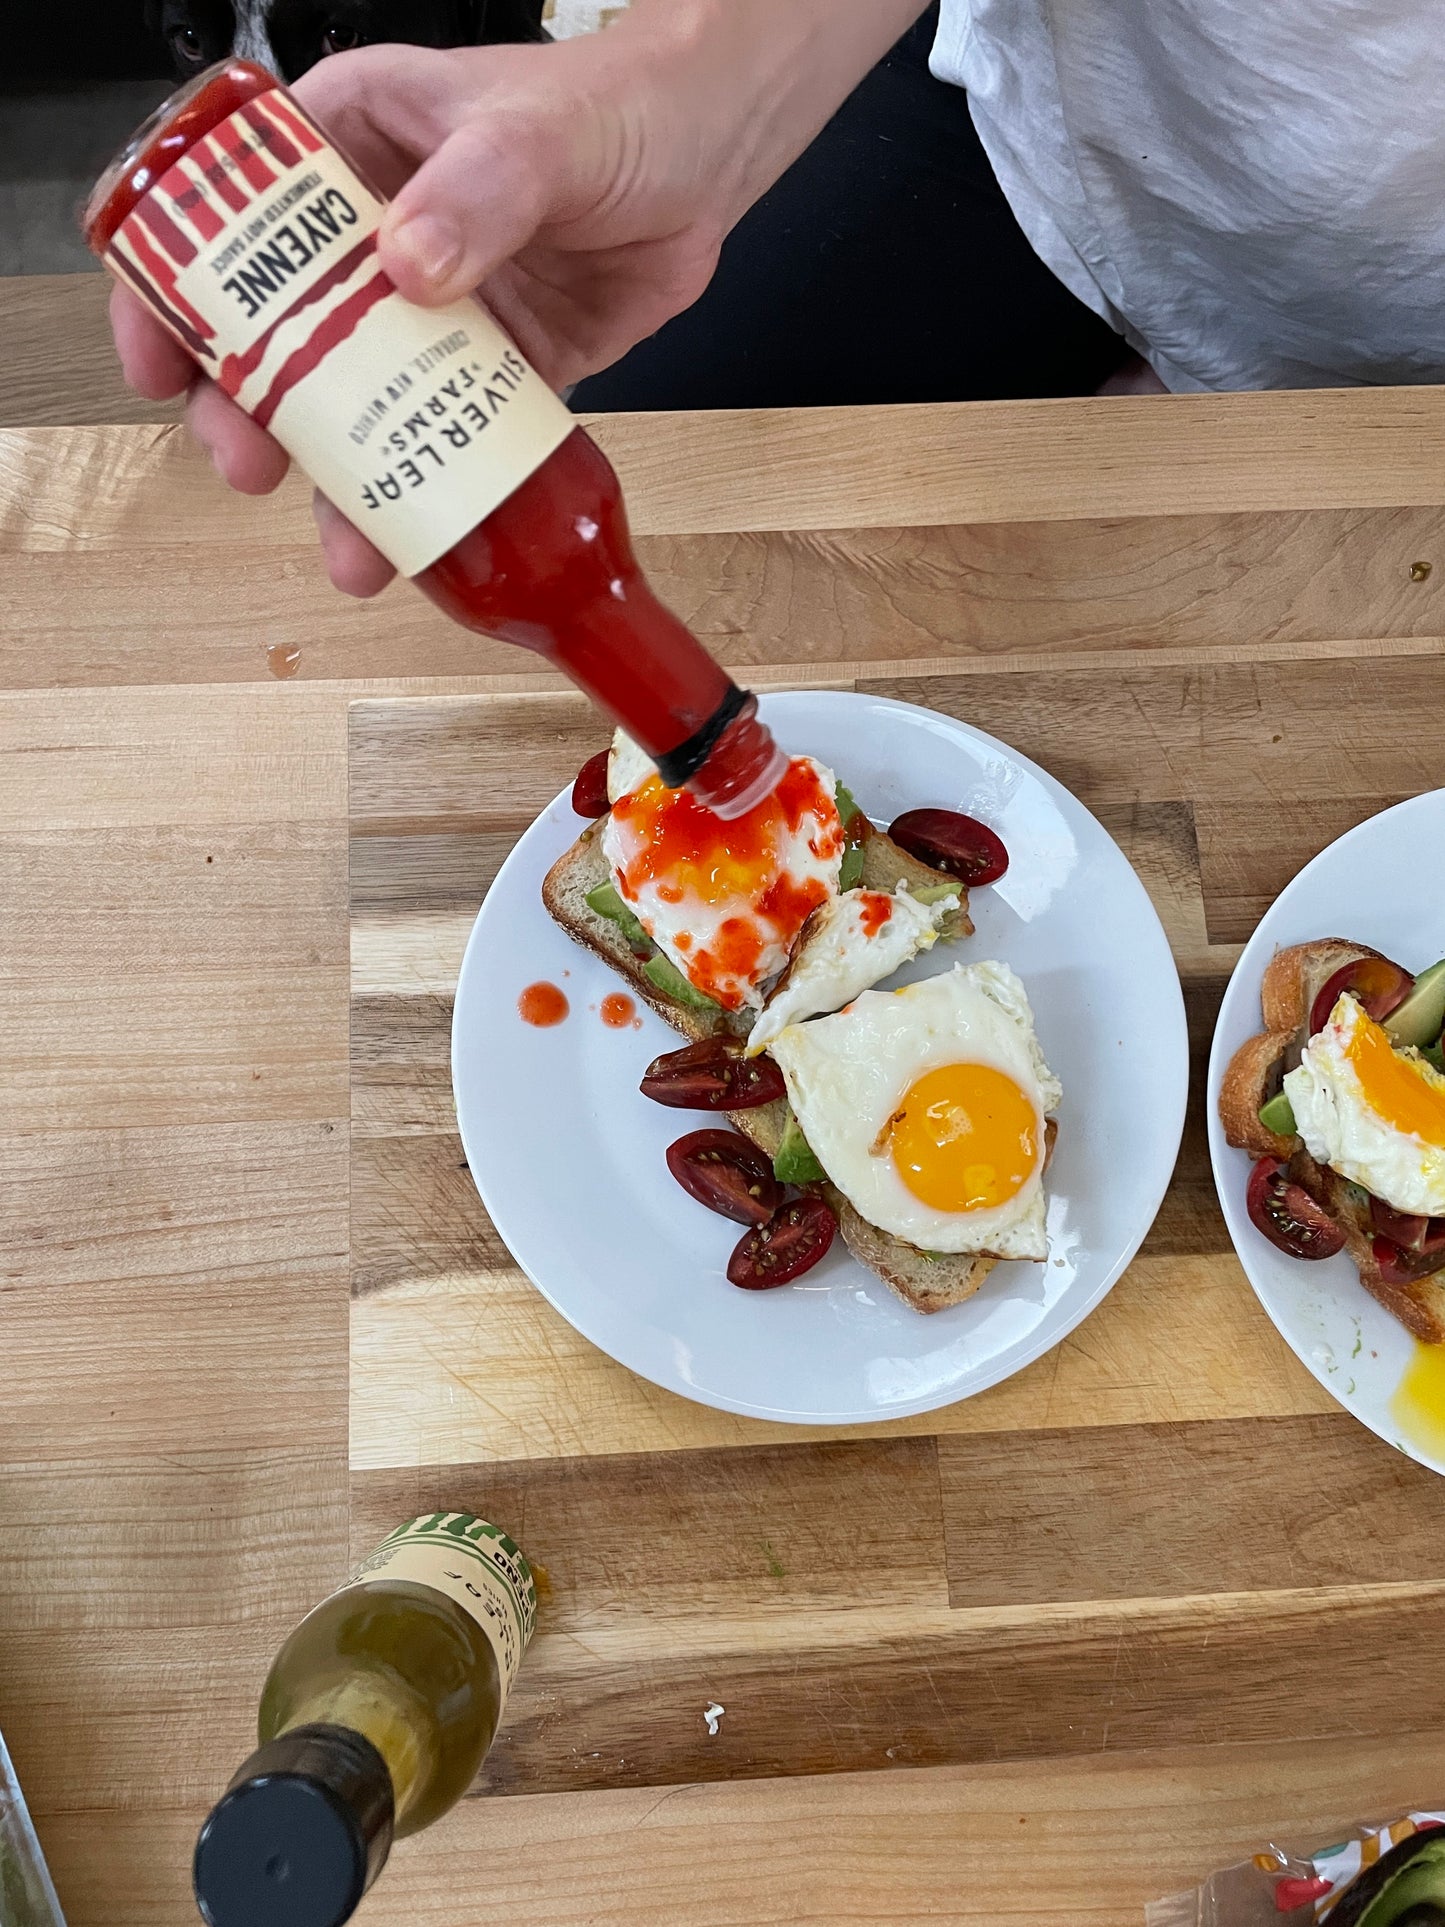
339	40
186	46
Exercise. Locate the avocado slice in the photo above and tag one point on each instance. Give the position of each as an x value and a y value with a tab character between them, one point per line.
664	973
795	1162
1278	1115
935	892
850	875
606	900
1434	1055
1420	1018
1407	1884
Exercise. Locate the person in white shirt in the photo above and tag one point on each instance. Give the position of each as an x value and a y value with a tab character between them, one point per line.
748	202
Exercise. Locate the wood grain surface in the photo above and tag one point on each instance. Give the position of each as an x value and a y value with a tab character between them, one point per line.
1066	1646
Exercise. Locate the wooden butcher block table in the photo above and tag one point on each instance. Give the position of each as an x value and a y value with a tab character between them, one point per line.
1032	1659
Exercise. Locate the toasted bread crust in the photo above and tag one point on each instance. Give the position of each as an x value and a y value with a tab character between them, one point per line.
1292	981
1296	976
924	1282
1251	1080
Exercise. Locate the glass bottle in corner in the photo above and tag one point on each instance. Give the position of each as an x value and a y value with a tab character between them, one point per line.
375	1717
236	220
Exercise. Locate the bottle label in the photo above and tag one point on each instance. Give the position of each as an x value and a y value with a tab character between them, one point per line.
257	249
474	1564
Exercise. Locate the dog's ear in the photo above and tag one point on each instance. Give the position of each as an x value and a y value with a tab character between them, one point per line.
492	21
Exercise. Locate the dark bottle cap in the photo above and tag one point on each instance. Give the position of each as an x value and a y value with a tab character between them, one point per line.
299	1835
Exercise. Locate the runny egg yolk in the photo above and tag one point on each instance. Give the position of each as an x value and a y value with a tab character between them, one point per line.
1396	1089
964	1137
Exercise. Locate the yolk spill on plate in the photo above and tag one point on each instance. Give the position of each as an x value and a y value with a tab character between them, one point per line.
1418	1404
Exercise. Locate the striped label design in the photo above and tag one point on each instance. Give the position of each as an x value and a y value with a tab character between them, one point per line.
257	249
474	1564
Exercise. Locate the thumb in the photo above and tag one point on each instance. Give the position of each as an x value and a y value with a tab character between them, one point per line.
480	199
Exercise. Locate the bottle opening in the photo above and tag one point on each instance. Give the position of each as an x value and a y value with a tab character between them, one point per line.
743	767
751	794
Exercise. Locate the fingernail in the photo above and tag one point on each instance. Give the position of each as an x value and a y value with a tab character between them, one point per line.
432	242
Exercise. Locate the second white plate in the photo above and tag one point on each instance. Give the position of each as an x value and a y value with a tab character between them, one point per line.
1367	886
568	1155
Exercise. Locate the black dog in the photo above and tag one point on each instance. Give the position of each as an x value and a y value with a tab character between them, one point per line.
288	36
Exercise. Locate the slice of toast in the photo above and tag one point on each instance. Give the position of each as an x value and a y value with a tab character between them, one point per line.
925	1282
1292	981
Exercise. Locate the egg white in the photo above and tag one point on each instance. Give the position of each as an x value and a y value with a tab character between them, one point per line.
846	1074
838	958
628	766
1332	1114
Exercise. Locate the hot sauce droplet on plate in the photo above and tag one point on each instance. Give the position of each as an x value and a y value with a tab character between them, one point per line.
617	1009
542	1004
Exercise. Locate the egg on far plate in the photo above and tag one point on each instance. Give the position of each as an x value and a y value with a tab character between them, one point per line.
1371	1111
926	1106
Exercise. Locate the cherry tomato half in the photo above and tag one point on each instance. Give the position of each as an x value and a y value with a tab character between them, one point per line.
1375	982
1287	1214
1403	1228
727	1174
790	1243
1399	1266
589	791
945	840
712	1075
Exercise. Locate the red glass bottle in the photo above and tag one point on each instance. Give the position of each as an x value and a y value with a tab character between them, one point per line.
234	218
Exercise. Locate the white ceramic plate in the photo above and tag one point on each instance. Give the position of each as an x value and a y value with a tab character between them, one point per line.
1367	886
568	1155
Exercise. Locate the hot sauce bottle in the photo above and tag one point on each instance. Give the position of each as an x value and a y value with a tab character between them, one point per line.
244	230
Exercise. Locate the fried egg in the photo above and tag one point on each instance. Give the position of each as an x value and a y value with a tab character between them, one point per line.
724	901
852	943
926	1106
1372	1112
628	766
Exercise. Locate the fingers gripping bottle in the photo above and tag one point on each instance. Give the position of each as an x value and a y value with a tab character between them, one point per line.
236	220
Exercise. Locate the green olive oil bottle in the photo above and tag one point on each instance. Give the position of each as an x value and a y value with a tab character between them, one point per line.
374	1719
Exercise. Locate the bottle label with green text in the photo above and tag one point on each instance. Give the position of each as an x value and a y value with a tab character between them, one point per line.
472	1563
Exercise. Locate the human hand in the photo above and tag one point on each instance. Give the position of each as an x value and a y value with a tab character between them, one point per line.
564	183
583	189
